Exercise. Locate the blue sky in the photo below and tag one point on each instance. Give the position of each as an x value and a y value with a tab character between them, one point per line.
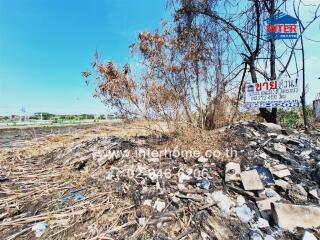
45	44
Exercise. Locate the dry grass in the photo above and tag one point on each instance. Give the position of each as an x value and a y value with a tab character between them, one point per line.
34	191
34	185
195	139
32	188
37	147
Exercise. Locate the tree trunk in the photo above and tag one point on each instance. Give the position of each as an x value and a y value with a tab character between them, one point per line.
267	115
271	116
273	76
303	97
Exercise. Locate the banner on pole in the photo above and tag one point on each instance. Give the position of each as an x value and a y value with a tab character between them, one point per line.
273	94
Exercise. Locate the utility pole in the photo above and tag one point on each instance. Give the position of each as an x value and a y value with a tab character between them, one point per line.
273	75
303	97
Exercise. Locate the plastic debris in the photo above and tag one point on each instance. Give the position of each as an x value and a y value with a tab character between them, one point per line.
265	175
74	196
255	234
204	184
40	228
232	211
223	202
142	221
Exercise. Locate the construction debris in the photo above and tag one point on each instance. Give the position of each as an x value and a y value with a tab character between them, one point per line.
232	172
280	171
244	213
251	180
290	216
308	236
115	188
40	228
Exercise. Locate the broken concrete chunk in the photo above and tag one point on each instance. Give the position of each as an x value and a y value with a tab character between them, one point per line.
240	200
272	135
308	236
265	204
279	167
232	172
182	187
280	171
255	133
244	213
159	205
251	180
290	216
314	193
269	193
282	184
269	237
263	155
261	223
154	160
271	196
252	144
298	194
280	148
272	127
183	177
202	159
175	199
147	202
305	153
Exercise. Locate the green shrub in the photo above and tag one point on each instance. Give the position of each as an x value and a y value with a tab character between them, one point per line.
294	118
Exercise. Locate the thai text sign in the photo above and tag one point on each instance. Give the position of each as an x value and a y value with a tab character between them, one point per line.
273	94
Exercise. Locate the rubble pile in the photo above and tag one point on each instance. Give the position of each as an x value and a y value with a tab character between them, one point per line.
125	191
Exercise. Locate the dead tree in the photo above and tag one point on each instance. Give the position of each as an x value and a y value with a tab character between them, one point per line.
245	21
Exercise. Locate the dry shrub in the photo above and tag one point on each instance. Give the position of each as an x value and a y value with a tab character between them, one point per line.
186	138
181	79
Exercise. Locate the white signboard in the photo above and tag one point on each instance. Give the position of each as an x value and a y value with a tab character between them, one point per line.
273	94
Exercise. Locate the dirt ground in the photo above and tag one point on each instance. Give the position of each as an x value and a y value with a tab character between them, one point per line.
18	137
23	160
55	181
